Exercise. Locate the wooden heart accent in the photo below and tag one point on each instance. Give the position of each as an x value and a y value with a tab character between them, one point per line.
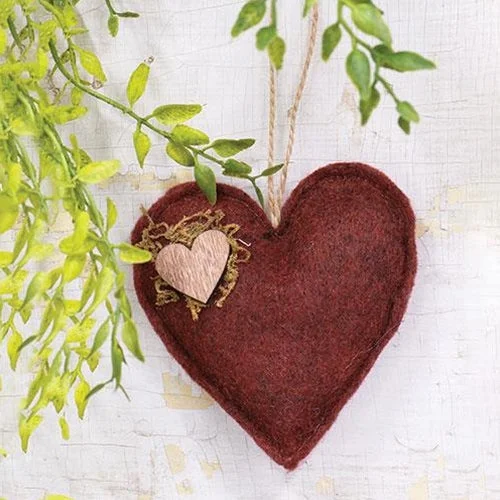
313	308
195	272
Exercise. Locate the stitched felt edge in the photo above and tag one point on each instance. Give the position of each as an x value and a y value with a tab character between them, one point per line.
398	307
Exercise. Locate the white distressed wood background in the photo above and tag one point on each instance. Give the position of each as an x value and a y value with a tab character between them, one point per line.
426	422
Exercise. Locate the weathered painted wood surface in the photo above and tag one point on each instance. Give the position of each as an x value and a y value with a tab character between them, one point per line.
426	422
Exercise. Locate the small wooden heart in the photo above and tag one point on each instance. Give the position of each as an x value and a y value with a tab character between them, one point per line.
195	272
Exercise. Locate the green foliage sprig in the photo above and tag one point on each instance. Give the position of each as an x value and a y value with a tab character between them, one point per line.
365	61
45	77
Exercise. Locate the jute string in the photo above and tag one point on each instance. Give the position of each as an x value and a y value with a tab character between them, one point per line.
275	198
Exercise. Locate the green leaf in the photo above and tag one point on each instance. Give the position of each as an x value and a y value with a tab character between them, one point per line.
133	255
137	83
13	283
77	242
205	178
265	35
142	145
408	112
9	211
91	63
235	168
172	114
308	5
271	170
100	337
81	397
3	40
188	136
98	171
358	69
81	331
96	389
331	38
6	258
129	14
367	106
3	453
57	497
39	251
63	424
116	361
38	285
130	338
13	345
73	267
103	286
276	50
250	15
26	429
404	125
260	196
180	154
64	114
113	25
231	147
111	213
76	96
368	19
401	61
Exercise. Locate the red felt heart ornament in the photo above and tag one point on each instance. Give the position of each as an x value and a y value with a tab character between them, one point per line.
319	299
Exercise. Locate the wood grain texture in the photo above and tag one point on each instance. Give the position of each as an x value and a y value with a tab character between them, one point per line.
425	425
195	272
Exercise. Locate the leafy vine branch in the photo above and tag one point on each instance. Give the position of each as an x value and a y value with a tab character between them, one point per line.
364	71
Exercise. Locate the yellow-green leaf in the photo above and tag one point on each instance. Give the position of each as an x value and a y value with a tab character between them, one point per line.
276	50
91	64
81	331
130	338
142	145
9	211
103	286
38	285
13	345
137	83
331	38
26	428
172	114
111	214
73	267
231	147
250	15
63	424
6	258
408	112
180	154
358	69
3	40
81	400
205	178
133	255
368	19
98	171
113	25
188	136
13	283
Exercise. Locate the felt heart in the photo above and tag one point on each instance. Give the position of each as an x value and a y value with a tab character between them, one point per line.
195	272
319	299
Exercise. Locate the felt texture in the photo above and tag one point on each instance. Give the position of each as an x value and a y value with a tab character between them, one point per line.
319	299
